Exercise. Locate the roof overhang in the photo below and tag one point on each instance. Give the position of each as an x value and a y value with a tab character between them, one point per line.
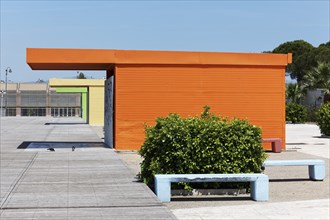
54	82
98	59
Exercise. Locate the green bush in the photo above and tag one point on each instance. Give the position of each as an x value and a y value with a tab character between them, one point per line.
312	114
296	113
323	118
200	144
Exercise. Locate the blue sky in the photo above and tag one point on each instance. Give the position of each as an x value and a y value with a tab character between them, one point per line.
224	26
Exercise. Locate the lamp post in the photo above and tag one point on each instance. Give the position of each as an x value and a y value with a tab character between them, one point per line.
2	93
8	70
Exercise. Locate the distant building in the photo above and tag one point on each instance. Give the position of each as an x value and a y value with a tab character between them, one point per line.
92	96
68	98
38	99
314	98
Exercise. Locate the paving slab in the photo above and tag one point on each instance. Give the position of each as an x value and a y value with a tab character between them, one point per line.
89	213
306	138
310	209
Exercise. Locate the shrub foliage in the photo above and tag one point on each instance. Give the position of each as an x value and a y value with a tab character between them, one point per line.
323	119
296	113
199	145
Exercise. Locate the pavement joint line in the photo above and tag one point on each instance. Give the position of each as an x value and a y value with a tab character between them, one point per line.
17	181
68	187
86	207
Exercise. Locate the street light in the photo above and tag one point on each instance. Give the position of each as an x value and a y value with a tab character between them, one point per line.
2	93
8	70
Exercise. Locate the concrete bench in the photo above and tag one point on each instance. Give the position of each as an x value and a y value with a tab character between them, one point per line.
276	144
258	183
316	168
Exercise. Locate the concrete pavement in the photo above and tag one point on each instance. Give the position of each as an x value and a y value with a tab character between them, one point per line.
310	209
306	138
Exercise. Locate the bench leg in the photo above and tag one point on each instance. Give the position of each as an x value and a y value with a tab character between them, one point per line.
276	147
316	172
260	189
163	190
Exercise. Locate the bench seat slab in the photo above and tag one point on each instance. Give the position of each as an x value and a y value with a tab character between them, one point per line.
259	183
316	168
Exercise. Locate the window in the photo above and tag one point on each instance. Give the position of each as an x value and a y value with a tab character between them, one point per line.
41	111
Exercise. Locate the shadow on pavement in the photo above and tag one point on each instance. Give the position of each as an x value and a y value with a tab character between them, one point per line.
218	198
290	180
58	144
73	123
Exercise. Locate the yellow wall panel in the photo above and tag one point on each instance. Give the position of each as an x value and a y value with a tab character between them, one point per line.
96	105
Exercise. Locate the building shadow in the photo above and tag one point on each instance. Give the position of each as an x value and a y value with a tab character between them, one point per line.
59	144
290	180
66	123
322	136
213	198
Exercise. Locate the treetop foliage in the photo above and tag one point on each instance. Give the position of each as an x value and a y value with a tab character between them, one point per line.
81	75
305	57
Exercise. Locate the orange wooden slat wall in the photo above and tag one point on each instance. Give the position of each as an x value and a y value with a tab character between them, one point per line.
145	92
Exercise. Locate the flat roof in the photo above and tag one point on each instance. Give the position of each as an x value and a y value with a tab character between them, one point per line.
102	59
54	82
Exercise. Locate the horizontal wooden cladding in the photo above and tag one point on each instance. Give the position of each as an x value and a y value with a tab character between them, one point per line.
96	59
272	129
132	137
145	93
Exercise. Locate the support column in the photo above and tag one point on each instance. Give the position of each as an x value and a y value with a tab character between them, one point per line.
18	101
109	112
84	105
48	102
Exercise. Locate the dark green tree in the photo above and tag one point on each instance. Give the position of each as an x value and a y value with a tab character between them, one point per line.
318	78
81	75
323	118
294	93
322	53
303	58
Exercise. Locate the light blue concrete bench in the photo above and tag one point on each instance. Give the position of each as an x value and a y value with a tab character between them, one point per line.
316	168
258	183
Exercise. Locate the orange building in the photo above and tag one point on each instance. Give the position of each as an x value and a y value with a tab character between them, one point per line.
143	85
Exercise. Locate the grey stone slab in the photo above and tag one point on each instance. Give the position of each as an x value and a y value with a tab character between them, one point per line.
63	200
91	213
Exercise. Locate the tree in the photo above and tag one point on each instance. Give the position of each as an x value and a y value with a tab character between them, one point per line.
318	78
294	93
322	53
303	59
40	81
81	75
